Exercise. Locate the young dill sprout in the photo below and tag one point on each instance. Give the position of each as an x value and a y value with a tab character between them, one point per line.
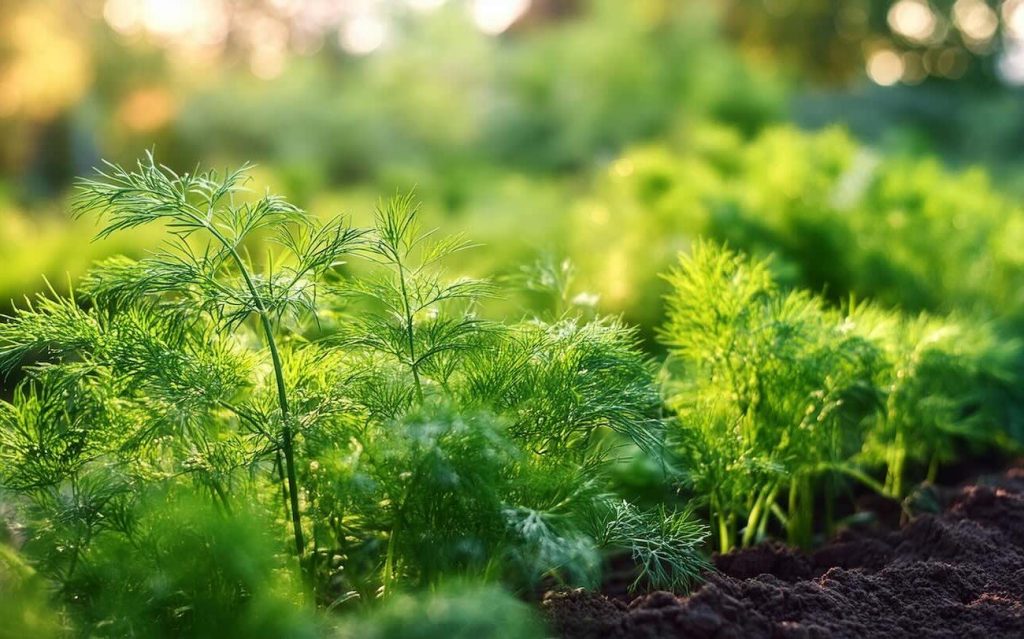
946	385
772	394
779	396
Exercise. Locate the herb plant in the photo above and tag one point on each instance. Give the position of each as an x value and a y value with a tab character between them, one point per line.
402	438
782	399
774	396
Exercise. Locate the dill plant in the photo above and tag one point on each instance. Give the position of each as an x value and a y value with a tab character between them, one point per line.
950	384
781	398
773	394
402	437
478	446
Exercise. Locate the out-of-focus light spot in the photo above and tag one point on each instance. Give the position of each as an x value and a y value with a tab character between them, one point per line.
425	5
145	110
975	19
589	300
123	16
362	34
495	16
1011	62
599	215
885	67
171	17
1013	17
187	23
913	19
267	38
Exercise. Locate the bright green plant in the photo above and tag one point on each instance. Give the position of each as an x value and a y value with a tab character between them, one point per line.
780	397
455	611
24	602
774	393
840	219
400	437
949	384
161	337
182	567
522	418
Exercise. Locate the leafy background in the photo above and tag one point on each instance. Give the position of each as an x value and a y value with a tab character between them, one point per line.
850	173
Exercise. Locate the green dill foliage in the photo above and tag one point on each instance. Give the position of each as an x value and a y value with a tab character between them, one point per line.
400	438
474	446
780	398
950	383
157	364
774	393
454	611
182	567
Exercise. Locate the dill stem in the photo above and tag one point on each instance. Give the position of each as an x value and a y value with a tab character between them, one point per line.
933	468
724	536
287	444
756	514
410	336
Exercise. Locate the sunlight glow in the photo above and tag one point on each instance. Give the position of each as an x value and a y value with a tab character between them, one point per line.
425	5
885	67
975	19
46	67
913	19
190	23
363	34
1011	62
496	16
1013	17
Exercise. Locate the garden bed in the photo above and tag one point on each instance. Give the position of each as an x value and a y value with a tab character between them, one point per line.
953	567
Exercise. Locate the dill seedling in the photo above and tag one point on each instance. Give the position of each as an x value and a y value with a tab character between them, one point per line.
773	393
779	396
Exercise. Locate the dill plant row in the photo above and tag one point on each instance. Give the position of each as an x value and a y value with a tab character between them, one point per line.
402	438
782	399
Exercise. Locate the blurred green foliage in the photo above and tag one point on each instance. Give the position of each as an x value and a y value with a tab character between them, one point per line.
459	611
840	220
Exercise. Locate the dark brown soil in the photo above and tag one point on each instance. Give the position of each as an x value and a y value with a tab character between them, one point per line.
954	569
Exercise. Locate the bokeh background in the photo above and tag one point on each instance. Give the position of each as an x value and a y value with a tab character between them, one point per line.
850	138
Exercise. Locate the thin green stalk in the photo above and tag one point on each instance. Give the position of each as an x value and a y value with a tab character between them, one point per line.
933	468
758	511
718	514
410	336
762	528
287	445
800	511
894	476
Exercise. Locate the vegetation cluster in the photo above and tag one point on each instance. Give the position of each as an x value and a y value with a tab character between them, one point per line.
275	418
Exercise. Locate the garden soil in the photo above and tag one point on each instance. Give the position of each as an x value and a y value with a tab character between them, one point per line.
950	564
